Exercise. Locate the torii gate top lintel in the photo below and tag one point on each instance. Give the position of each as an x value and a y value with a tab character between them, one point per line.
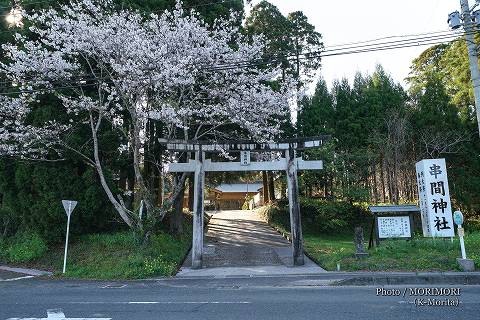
221	146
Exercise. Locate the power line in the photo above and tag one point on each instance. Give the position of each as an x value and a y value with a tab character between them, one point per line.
247	65
391	37
327	50
259	62
324	53
335	54
279	56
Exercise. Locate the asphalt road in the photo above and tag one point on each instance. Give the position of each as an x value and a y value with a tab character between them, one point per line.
245	298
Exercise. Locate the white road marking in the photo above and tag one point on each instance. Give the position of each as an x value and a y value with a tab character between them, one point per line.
19	278
160	302
113	286
57	314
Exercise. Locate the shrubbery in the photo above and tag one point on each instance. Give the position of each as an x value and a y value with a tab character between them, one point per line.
32	194
8	222
158	266
23	247
118	256
319	215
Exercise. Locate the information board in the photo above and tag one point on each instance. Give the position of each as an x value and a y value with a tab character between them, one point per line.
394	227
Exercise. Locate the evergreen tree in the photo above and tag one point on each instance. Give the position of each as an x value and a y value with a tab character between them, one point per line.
316	113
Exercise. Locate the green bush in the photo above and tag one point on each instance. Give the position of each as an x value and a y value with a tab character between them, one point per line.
32	194
3	248
319	215
158	265
8	222
117	256
25	247
472	225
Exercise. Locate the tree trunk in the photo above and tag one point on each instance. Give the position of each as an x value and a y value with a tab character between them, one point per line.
98	166
271	187
266	195
130	198
389	182
139	180
375	186
191	189
395	181
159	182
177	219
382	175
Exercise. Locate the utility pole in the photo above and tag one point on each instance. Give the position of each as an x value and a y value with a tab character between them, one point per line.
470	26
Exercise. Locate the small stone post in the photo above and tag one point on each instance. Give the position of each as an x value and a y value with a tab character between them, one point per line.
358	241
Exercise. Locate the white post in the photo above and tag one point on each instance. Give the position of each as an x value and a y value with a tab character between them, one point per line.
468	25
197	241
66	240
462	243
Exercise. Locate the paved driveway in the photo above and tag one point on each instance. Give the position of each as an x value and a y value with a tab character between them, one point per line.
13	274
238	242
8	275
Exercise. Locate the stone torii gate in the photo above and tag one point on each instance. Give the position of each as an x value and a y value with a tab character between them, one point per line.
289	163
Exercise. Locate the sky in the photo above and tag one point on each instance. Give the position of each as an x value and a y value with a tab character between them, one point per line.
344	21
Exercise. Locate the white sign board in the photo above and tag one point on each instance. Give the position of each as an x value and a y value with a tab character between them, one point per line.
458	218
434	198
394	227
245	158
69	205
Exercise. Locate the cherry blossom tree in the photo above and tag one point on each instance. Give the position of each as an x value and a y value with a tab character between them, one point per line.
117	67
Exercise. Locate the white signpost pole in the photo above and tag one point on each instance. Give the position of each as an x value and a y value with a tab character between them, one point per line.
465	264
462	244
66	244
68	205
458	219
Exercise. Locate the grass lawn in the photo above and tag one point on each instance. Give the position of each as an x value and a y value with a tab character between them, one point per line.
116	256
419	254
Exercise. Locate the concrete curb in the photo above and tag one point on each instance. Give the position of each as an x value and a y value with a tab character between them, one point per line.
419	279
353	279
30	272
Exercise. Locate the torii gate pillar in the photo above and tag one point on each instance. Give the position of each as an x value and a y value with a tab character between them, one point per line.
199	186
294	206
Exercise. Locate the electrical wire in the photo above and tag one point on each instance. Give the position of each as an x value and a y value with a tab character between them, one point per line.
391	37
328	52
278	57
83	81
231	67
309	55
